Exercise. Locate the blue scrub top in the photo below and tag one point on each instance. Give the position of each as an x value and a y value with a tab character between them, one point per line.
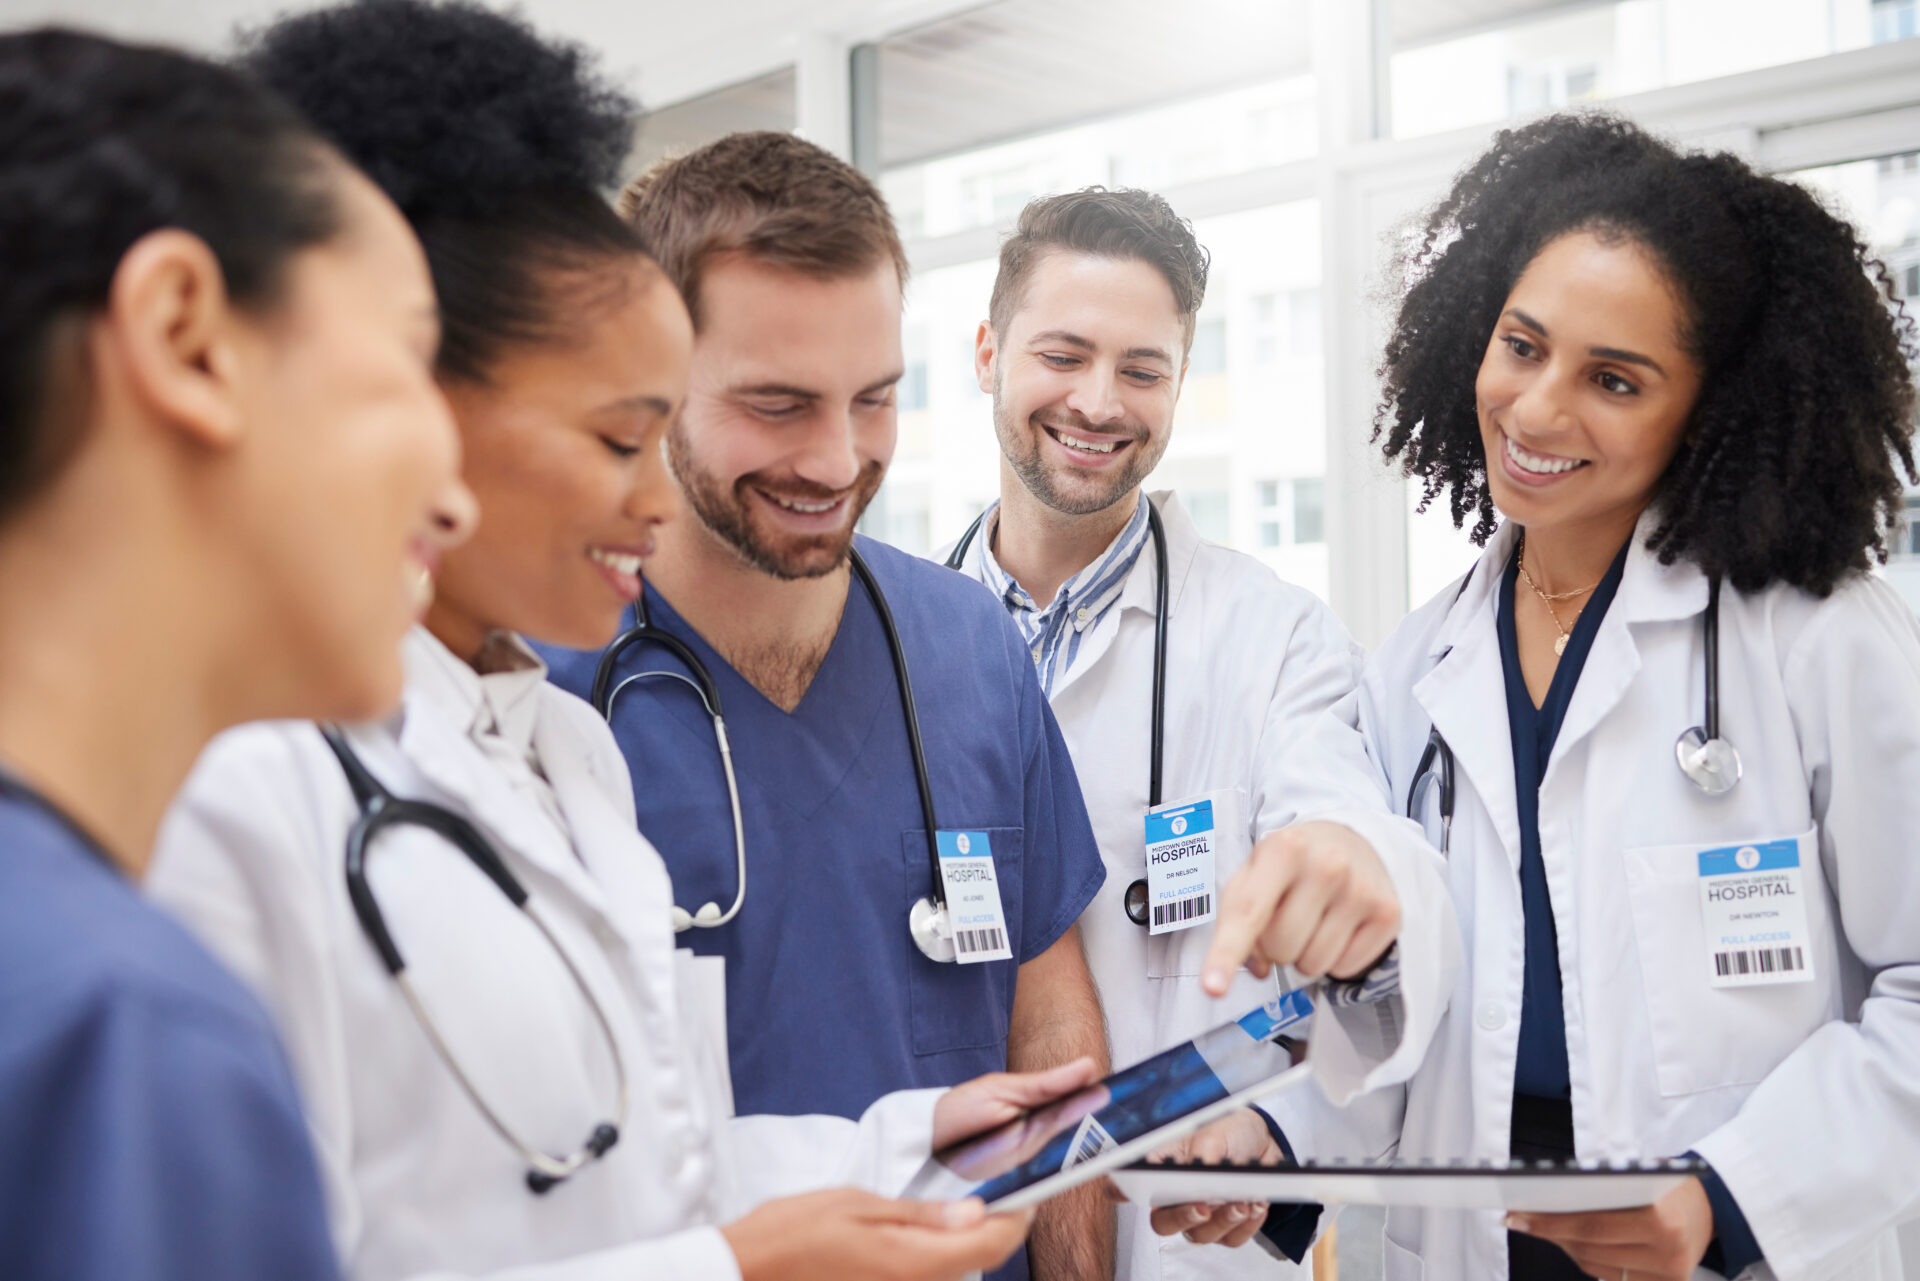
829	1003
1542	1066
149	1128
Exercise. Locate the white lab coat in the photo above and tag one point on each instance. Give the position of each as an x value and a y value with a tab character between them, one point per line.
1805	1097
1252	661
417	1182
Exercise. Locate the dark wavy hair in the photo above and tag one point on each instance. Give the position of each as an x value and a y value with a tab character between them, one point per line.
1787	470
102	143
500	147
1125	223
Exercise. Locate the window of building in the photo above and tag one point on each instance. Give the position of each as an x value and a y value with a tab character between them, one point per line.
1309	510
1895	20
1209	354
1210	512
1457	65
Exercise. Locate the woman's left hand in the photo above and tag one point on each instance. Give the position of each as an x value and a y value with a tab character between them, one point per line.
1659	1242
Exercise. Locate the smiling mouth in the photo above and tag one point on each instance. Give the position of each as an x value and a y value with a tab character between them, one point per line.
1539	464
1078	445
803	506
618	562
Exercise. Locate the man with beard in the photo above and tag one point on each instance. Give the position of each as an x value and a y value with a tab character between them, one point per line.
792	270
1084	352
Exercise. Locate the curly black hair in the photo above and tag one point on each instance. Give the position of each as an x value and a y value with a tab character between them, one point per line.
100	144
1787	468
500	147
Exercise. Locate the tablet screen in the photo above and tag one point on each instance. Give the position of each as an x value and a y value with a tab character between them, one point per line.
1132	1104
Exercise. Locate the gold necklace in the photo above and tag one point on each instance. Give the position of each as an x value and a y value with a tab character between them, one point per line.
1560	643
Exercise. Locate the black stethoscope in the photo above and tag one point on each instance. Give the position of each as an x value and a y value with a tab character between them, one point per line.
381	810
1710	762
927	922
1135	900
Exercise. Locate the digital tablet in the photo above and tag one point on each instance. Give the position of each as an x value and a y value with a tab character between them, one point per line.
1538	1187
1121	1119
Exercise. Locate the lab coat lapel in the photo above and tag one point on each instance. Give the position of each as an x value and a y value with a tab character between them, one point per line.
1649	592
602	834
454	763
1183	544
1465	695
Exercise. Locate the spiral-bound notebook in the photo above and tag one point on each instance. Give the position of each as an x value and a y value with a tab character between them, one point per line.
1540	1187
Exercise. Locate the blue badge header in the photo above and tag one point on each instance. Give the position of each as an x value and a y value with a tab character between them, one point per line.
1277	1015
1767	856
1172	825
964	844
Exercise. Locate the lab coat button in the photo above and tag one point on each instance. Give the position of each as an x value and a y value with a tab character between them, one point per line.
1491	1016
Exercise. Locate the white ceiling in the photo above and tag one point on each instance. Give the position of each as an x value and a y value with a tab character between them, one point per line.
985	72
1020	66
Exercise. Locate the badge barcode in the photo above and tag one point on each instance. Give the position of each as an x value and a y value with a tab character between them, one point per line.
1763	960
1092	1140
1185	910
991	939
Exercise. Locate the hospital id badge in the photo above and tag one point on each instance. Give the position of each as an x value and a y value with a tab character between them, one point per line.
1755	914
973	897
1180	872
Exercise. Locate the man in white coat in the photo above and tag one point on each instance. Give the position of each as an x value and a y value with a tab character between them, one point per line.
1084	353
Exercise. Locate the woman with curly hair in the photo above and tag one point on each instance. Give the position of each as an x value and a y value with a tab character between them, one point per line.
1673	398
502	1058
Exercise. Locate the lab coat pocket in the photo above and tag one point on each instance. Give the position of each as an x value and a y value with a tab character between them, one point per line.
954	1006
1180	953
1400	1263
1703	1037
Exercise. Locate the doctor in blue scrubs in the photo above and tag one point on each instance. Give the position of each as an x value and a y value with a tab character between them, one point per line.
216	384
791	267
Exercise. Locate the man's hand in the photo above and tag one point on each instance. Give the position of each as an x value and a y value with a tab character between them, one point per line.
1314	896
1660	1242
1238	1136
993	1100
848	1235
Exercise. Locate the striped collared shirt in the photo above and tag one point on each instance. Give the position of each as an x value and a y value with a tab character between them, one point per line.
1053	634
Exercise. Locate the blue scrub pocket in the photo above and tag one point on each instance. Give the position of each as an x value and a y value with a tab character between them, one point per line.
962	1007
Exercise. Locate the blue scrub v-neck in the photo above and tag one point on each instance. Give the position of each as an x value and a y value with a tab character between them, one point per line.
829	1004
1541	1068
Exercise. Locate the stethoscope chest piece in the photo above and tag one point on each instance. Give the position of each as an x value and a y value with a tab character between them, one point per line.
1713	764
932	933
1135	902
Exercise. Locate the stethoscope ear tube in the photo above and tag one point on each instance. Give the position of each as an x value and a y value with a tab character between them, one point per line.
379	810
914	745
603	694
1134	901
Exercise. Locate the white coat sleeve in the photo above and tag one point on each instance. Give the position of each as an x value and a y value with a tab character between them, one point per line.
242	860
1326	769
1821	1156
782	1156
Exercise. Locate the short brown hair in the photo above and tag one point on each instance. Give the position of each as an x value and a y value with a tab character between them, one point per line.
1127	224
771	196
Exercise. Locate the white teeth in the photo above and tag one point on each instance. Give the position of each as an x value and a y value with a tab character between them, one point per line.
805	509
1086	446
618	562
1537	465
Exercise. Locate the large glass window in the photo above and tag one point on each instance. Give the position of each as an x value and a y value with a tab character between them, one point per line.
1882	198
766	102
1499	58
